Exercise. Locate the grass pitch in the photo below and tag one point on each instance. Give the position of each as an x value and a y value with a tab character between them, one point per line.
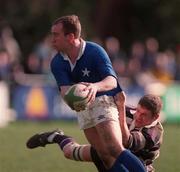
15	157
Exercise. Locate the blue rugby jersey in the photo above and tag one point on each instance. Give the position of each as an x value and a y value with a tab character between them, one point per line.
92	65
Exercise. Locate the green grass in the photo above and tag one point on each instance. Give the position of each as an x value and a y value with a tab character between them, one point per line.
170	150
15	157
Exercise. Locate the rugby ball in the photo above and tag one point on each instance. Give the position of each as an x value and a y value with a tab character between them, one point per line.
76	97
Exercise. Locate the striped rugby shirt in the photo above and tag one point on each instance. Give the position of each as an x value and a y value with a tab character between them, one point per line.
144	142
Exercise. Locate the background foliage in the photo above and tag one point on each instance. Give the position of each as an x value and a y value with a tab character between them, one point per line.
128	20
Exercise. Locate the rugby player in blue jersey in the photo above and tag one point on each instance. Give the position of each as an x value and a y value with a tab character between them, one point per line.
82	61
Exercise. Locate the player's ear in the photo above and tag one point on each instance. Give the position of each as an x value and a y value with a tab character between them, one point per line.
156	116
70	37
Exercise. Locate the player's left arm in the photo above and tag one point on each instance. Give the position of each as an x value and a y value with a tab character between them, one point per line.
108	83
103	68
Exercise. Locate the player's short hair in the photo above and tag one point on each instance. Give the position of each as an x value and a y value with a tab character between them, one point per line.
152	102
71	24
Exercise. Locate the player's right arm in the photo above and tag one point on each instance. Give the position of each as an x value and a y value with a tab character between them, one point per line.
61	74
64	89
120	100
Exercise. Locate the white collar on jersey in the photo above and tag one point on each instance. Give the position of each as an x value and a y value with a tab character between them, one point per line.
81	52
132	125
152	124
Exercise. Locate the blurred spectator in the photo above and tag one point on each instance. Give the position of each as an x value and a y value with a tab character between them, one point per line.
44	52
119	66
152	48
134	68
138	50
5	66
171	64
33	64
11	45
117	56
137	55
44	49
6	114
113	48
161	68
98	41
177	72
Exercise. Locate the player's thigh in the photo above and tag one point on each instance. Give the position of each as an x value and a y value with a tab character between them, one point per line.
92	136
106	148
110	134
94	139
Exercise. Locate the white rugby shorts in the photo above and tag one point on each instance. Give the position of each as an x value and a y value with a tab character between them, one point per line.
102	109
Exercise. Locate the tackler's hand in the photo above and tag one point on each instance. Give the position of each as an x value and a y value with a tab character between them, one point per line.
120	99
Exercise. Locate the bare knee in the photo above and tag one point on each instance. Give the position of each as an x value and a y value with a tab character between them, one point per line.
114	150
67	153
105	157
109	155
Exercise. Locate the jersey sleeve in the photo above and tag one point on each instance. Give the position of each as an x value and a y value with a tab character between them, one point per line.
103	63
145	139
60	74
137	141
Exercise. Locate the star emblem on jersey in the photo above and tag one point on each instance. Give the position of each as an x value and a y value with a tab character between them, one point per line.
86	72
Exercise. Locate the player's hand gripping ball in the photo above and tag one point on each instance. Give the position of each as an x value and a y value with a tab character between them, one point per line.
76	97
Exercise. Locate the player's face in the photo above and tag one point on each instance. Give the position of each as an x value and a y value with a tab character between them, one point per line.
59	40
143	116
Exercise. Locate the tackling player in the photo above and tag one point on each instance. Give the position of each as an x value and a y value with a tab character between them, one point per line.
144	136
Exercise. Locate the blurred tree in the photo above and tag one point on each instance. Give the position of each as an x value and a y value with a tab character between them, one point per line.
31	20
112	19
128	20
131	20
